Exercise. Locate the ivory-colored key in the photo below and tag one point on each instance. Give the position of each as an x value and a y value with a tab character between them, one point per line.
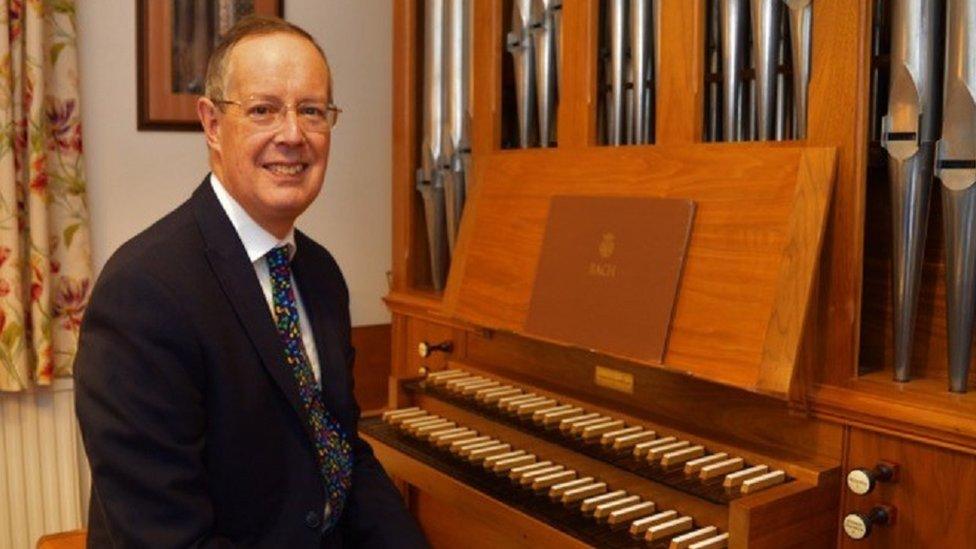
685	540
425	430
505	403
554	418
491	460
465	451
516	473
494	396
446	440
466	378
589	504
399	411
654	454
469	390
593	431
718	542
502	402
528	478
566	424
400	418
506	465
557	490
721	468
577	428
755	484
644	447
629	441
488	391
607	438
581	493
641	525
455	385
526	410
469	440
442	377
538	415
630	513
544	482
603	511
514	406
669	528
695	465
436	435
736	478
682	455
408	424
477	456
413	427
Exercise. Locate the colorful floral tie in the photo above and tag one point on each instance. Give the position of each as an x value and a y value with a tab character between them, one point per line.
331	446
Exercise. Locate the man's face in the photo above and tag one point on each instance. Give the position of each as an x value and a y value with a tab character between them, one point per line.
274	173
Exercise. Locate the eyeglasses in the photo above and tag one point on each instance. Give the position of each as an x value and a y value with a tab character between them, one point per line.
268	114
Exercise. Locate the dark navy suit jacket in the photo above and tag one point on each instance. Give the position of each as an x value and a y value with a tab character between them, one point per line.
190	417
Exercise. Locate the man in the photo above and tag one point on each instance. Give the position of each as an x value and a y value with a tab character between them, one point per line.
213	376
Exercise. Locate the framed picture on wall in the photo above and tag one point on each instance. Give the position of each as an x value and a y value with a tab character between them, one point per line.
175	38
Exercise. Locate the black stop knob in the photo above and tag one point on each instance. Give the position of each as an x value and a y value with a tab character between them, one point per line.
862	481
858	525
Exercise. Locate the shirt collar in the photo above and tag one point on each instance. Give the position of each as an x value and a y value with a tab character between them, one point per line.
257	241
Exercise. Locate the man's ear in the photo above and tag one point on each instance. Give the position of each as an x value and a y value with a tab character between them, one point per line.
207	113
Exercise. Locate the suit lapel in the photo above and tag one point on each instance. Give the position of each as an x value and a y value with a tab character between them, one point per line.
235	273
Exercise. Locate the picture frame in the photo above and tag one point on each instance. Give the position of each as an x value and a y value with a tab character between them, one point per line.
174	39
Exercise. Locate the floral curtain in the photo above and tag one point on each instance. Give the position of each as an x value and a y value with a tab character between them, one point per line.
45	253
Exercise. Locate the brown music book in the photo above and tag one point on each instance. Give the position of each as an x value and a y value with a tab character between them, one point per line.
608	273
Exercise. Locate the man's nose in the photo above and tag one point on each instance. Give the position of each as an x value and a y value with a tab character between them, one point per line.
289	130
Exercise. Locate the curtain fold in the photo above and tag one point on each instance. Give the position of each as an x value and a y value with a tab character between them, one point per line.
45	251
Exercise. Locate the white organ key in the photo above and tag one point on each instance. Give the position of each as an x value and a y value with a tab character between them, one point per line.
682	455
755	484
448	439
456	385
602	511
736	478
607	438
581	493
528	478
566	425
502	402
436	435
469	440
491	460
577	428
558	490
528	408
506	405
538	415
641	525
669	528
695	465
516	473
644	447
591	503
718	542
442	377
469	390
685	540
505	465
465	451
594	431
399	411
424	430
400	418
543	482
630	513
553	418
654	454
720	468
476	456
496	395
628	441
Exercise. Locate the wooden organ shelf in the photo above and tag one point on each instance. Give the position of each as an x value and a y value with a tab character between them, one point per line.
776	355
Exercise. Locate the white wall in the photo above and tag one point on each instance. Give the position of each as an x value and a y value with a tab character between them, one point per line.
136	177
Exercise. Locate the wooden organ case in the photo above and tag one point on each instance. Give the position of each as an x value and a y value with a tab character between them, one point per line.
776	383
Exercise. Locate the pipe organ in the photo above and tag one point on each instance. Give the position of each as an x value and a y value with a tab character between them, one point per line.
811	390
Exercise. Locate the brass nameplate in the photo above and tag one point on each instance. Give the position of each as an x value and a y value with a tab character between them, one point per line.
608	273
614	379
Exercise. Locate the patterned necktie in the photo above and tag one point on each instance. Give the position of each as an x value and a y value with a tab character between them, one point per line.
332	449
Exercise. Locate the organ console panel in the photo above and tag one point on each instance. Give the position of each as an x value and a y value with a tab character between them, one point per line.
771	419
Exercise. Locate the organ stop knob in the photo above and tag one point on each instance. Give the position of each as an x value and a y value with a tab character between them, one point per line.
858	525
862	481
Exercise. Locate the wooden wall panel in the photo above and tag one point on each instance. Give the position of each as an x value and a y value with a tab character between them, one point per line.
372	368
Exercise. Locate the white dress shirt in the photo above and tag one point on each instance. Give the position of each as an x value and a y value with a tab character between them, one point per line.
258	242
